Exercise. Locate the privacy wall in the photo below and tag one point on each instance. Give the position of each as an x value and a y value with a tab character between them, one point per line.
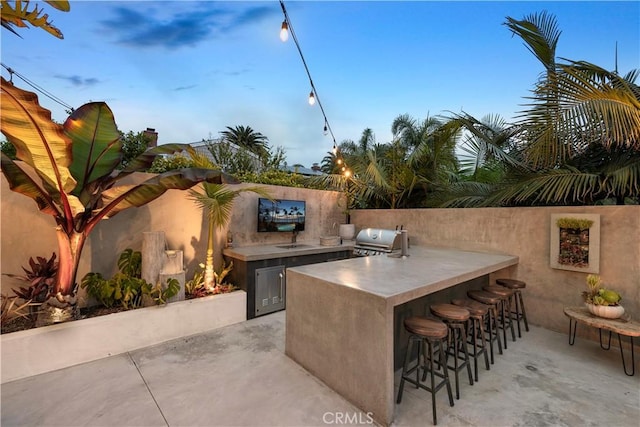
26	232
525	232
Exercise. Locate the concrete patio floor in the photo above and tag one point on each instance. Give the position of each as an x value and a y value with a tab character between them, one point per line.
239	376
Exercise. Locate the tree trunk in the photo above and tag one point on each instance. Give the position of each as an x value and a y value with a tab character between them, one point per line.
62	304
209	267
70	248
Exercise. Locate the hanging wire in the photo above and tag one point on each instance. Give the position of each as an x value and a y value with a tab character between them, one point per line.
36	87
314	92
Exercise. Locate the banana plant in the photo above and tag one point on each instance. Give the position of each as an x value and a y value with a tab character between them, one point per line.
69	171
20	14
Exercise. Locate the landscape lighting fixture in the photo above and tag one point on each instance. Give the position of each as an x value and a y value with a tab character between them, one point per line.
284	31
312	98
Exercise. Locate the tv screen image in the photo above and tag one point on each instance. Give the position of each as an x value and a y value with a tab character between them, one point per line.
281	215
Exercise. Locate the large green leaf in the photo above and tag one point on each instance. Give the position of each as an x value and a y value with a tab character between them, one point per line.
18	13
39	142
21	182
96	144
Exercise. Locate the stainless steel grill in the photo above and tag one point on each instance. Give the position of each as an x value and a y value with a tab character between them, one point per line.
377	241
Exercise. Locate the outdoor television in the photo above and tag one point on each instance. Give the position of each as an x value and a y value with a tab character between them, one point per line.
281	215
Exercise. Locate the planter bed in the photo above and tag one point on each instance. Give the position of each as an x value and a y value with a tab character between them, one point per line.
39	350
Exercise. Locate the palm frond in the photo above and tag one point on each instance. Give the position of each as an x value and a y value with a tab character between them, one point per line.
554	186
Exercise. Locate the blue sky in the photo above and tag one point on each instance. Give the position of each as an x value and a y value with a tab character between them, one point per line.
189	69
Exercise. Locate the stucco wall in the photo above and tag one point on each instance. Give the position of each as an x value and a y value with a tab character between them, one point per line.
26	232
525	232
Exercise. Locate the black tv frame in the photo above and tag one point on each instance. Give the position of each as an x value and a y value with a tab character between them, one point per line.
281	215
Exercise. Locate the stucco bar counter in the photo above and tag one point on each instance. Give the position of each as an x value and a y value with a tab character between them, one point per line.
340	315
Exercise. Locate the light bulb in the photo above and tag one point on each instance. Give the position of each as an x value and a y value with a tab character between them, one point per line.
325	132
344	169
335	150
347	173
339	161
312	98
284	32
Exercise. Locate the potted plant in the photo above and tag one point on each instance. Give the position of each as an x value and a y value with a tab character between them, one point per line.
601	301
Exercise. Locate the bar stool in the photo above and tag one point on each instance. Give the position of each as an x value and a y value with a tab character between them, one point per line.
427	333
492	301
456	319
478	315
516	286
506	295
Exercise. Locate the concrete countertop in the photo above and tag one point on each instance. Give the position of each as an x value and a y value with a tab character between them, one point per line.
261	252
398	280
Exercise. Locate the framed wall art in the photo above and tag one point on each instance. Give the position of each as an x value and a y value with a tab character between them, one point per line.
575	242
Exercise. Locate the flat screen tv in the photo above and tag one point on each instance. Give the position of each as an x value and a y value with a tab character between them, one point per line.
281	215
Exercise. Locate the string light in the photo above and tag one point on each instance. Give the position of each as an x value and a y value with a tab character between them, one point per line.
313	95
284	31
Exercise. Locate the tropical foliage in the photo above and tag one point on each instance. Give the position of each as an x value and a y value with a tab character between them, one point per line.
246	137
399	174
216	200
133	145
124	289
39	279
8	149
70	171
162	164
576	143
20	14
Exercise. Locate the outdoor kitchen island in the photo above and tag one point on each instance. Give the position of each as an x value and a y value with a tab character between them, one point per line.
340	316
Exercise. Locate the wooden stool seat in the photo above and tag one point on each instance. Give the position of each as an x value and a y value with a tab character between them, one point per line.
518	302
430	328
430	337
492	301
506	296
499	290
450	312
456	318
479	313
484	297
476	309
511	283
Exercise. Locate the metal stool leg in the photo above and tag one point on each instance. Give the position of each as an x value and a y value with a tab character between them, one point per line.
509	309
522	309
517	313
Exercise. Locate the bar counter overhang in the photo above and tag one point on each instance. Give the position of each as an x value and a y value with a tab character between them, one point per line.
340	315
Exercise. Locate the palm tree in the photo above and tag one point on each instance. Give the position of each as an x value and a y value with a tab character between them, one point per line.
581	130
577	142
430	146
217	201
246	137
